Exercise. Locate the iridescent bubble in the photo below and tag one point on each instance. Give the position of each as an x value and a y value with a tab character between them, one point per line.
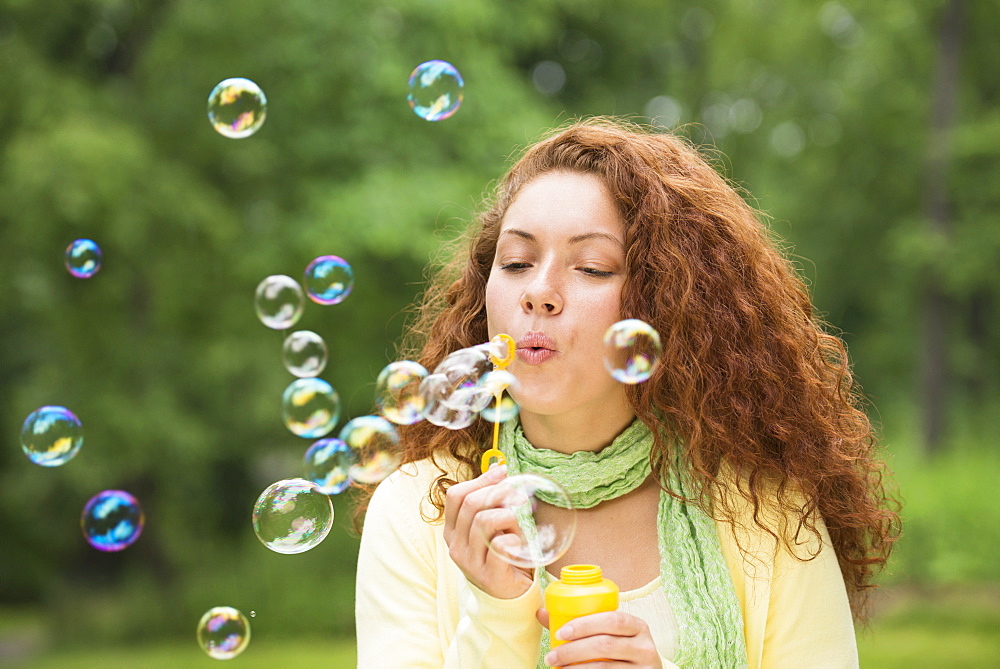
500	414
310	407
435	90
112	520
279	301
292	516
397	392
237	108
541	523
439	409
304	353
632	351
83	258
328	464
223	632
329	280
51	436
375	444
497	381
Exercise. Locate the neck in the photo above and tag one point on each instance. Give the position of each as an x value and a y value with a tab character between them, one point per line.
569	434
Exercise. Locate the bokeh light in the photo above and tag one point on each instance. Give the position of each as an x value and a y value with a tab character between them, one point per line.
328	464
632	351
223	632
329	280
435	90
292	516
237	108
112	520
310	407
304	353
541	524
397	392
279	301
375	444
51	436
83	258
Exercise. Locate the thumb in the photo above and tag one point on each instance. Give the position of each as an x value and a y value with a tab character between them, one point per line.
543	617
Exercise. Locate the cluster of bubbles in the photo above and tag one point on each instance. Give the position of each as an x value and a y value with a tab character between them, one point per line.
223	632
83	258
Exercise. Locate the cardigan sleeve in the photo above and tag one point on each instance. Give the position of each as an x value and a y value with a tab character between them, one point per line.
406	608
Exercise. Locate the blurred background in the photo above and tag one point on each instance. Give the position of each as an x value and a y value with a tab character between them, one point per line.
868	132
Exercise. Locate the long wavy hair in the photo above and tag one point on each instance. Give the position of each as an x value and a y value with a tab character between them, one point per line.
751	388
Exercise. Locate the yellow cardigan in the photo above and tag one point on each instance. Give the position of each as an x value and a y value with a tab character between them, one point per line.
414	608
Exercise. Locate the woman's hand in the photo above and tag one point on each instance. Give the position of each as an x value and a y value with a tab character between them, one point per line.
474	515
610	639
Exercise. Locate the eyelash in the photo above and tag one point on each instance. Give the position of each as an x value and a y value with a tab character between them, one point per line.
590	271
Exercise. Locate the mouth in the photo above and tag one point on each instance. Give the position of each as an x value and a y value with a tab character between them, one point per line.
535	348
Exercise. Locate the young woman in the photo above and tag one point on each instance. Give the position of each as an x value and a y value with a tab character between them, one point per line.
734	497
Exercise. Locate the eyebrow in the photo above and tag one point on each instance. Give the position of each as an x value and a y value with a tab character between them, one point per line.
575	239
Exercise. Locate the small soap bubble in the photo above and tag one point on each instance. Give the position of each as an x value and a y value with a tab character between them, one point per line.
375	444
237	108
329	280
304	353
435	90
310	407
632	351
51	436
83	258
292	516
328	464
112	520
279	301
253	614
397	392
501	413
541	524
223	632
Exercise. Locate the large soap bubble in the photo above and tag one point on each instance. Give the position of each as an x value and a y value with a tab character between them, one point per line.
51	436
237	108
328	464
329	280
223	632
435	90
632	351
112	520
279	301
375	444
304	353
292	516
310	407
541	522
397	392
83	258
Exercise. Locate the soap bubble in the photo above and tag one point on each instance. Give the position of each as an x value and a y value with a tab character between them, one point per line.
397	392
541	524
436	391
304	353
328	464
329	280
237	108
279	301
435	90
112	520
310	407
375	444
292	516
632	351
83	258
223	632
51	436
501	414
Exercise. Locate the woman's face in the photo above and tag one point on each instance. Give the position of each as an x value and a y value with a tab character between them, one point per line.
555	287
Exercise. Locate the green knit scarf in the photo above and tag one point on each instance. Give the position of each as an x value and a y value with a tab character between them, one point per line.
692	568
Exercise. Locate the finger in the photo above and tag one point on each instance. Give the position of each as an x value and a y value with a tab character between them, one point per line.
542	616
616	623
603	650
455	497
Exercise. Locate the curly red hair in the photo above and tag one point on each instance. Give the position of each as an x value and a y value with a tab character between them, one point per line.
751	387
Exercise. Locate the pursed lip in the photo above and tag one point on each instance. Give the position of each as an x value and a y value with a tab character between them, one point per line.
535	348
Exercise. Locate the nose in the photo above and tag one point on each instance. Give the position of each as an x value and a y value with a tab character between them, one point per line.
542	295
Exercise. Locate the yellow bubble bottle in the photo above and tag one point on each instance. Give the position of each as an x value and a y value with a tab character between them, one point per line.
580	591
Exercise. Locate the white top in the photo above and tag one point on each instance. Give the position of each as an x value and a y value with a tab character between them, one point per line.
650	603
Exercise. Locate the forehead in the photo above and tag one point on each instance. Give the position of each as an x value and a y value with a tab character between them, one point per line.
564	203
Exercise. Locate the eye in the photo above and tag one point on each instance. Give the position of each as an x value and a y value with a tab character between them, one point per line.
593	271
514	266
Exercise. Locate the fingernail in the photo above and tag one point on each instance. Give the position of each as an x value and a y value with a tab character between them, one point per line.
565	633
498	470
550	659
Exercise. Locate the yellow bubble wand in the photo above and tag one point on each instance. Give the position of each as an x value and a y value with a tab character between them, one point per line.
505	343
